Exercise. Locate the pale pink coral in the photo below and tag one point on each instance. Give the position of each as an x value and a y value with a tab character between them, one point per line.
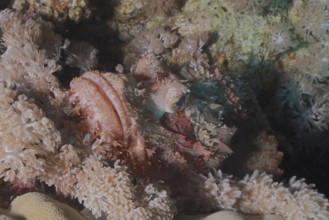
118	197
28	137
30	60
258	194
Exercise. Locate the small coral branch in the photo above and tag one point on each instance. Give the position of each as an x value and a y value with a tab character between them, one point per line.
111	191
258	193
28	137
119	198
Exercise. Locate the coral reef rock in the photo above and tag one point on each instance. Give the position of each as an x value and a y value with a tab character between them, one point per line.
57	10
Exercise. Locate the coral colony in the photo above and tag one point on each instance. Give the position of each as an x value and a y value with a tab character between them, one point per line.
186	109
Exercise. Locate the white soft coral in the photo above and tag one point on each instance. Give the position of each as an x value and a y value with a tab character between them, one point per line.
27	137
259	194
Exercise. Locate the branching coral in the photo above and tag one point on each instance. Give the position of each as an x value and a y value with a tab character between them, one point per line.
106	190
35	151
114	193
99	187
297	201
28	137
30	60
258	193
13	26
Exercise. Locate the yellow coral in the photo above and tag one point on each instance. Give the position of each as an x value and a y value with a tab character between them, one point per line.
38	206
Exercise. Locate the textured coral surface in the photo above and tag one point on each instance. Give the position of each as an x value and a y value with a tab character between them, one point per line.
140	109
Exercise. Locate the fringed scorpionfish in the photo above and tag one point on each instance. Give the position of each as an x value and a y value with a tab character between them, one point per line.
151	119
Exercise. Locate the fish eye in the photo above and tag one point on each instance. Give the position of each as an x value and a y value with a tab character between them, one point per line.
181	101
